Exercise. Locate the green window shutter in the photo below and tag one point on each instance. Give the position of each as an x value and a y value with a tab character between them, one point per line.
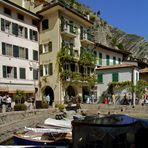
3	49
115	77
26	53
31	34
15	72
40	49
4	72
81	32
35	74
2	24
41	70
35	55
119	60
36	35
100	58
15	51
114	60
100	78
50	69
107	60
50	46
15	29
26	33
22	73
62	23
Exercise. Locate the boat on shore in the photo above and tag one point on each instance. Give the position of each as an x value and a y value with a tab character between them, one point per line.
58	123
57	137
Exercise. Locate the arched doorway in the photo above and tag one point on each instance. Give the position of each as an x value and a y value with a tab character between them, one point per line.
49	91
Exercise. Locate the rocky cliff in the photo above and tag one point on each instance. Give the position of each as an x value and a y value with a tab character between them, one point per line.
113	37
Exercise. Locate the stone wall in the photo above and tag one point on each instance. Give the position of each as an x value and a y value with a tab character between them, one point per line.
14	122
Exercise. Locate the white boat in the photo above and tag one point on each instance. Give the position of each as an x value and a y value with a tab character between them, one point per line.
58	123
48	130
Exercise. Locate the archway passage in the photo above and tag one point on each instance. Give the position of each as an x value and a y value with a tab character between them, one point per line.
85	93
49	91
70	91
69	94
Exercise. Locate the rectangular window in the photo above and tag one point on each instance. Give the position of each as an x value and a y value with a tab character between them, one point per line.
22	53
35	74
5	25
20	31
33	35
22	73
9	72
40	48
7	11
45	24
119	60
20	17
115	77
46	70
114	60
100	78
35	55
100	58
107	60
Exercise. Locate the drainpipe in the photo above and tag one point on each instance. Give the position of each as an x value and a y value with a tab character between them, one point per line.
134	84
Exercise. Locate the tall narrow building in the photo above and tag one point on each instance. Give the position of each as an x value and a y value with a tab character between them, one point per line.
66	53
18	49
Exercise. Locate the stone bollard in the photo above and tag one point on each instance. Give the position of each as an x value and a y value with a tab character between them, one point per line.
3	108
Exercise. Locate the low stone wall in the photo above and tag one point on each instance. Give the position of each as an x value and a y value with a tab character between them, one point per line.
14	122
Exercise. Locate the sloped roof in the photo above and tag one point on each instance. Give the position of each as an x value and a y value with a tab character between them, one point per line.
116	66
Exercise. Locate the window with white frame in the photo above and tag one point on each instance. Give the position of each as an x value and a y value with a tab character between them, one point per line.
9	72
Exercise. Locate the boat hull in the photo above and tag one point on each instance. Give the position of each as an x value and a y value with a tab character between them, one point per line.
18	140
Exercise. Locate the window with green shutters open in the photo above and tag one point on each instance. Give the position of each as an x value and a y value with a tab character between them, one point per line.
9	72
14	28
22	73
45	48
100	78
33	35
115	77
15	51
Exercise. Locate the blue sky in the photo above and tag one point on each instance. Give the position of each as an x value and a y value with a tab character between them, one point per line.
130	16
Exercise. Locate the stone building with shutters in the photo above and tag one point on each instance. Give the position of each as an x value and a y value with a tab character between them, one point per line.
64	31
19	58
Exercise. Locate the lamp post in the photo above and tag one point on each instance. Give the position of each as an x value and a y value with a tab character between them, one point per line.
33	67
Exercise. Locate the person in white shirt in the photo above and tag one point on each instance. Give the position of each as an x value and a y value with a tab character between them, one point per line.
8	101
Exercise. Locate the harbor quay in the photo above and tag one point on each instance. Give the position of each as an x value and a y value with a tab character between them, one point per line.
15	121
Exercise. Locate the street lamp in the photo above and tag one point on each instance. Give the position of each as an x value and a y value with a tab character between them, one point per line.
34	67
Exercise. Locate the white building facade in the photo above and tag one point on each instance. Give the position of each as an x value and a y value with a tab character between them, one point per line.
18	49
